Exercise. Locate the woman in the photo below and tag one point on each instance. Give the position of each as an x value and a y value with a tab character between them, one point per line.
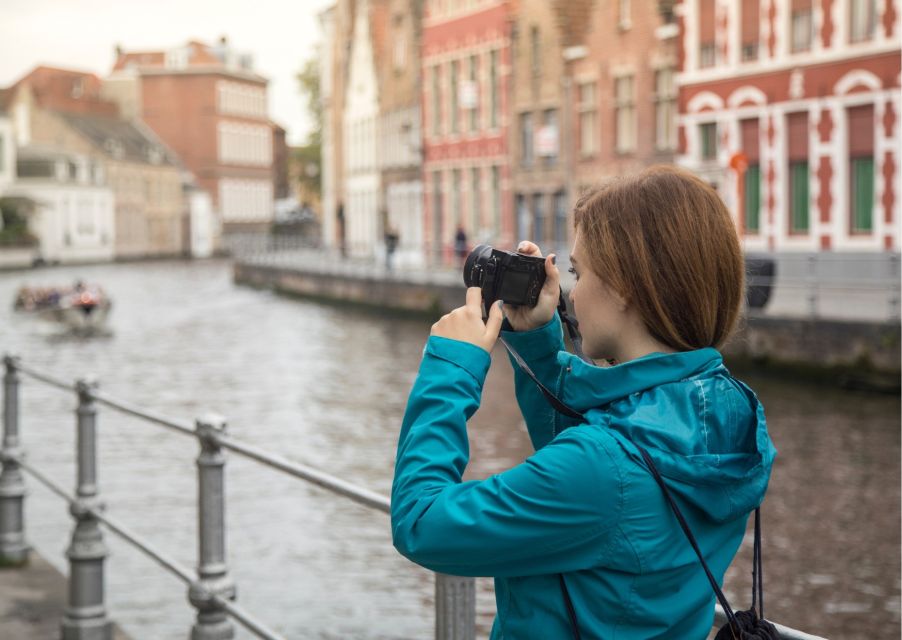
659	286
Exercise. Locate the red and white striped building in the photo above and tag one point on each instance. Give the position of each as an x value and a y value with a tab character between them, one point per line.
804	95
466	60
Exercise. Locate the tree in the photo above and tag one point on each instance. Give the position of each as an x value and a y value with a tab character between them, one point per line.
309	154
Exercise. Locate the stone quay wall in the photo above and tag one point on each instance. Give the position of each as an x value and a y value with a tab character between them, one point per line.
851	354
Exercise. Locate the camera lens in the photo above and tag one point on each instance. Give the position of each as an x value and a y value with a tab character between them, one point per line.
476	261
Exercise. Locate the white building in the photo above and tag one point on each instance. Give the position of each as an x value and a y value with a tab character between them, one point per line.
72	212
363	231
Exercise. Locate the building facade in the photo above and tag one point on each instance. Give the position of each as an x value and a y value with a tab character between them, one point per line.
466	74
208	105
545	36
791	108
71	210
362	177
63	110
623	91
397	31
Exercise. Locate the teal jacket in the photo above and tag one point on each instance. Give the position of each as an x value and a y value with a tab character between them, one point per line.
584	504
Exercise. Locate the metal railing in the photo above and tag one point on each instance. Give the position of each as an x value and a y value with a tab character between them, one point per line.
211	591
829	286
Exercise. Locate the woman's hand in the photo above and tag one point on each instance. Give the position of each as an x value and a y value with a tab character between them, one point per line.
465	323
523	318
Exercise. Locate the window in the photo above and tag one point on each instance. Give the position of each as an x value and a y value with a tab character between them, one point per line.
625	114
547	138
455	94
526	139
861	168
797	134
538	212
455	197
798	196
801	27
495	104
588	118
475	194
862	194
535	51
753	199
496	200
473	95
560	218
708	136
706	33
399	51
862	20
749	133
751	20
665	111
436	102
438	215
623	14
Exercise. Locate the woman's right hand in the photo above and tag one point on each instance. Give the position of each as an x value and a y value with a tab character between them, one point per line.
523	318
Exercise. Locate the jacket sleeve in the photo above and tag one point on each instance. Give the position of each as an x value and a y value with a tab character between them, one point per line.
539	348
551	513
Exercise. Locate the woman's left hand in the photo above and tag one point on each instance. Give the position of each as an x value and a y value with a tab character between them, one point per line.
465	323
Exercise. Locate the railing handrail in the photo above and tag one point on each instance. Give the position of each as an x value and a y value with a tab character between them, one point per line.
293	468
150	551
326	481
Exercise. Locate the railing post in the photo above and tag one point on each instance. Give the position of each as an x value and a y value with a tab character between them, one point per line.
455	607
212	571
813	286
85	618
13	549
893	287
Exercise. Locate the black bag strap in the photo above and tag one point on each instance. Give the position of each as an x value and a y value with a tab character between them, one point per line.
757	568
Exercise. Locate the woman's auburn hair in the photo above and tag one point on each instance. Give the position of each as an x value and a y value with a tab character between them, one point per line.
664	240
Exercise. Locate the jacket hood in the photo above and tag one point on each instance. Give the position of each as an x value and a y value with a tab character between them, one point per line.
704	430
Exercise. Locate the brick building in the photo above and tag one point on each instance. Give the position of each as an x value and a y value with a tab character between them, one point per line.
60	113
396	30
207	104
466	73
801	98
623	90
544	35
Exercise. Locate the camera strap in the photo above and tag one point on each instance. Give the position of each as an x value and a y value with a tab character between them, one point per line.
572	328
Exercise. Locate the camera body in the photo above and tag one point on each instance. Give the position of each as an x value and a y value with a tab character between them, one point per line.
503	275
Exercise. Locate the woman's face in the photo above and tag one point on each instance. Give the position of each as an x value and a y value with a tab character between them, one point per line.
600	310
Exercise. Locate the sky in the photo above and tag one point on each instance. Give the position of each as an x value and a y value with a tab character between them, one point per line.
83	34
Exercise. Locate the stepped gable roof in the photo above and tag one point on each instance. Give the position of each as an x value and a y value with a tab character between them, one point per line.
120	139
67	90
574	17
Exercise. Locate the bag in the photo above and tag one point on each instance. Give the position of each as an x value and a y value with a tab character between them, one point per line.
741	625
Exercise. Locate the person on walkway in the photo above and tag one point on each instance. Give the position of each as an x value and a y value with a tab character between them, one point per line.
659	285
460	245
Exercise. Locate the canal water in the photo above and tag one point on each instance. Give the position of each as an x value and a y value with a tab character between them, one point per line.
327	386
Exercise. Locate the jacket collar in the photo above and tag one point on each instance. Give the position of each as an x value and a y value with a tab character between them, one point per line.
587	386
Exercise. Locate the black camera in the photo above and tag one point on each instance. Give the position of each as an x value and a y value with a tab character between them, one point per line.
502	275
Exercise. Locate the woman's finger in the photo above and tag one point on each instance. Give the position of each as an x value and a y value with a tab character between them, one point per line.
529	248
493	323
552	275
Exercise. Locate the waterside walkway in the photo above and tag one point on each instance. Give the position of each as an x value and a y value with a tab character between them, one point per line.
32	600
